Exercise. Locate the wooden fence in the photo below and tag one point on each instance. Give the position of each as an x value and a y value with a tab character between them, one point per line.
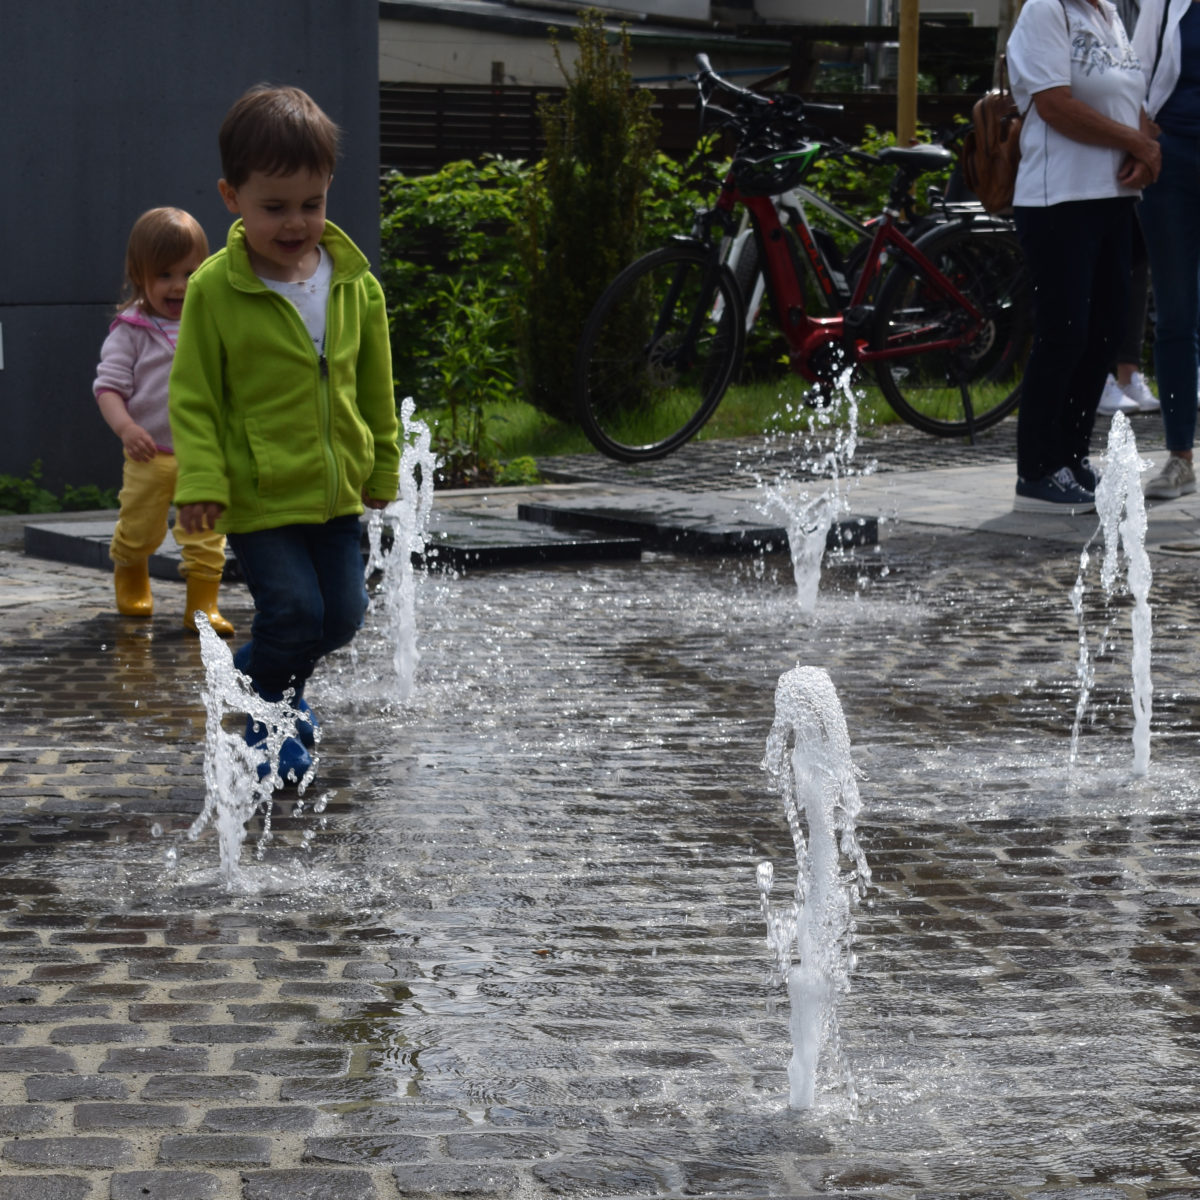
423	127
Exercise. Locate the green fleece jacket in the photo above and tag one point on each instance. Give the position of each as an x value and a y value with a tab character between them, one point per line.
262	423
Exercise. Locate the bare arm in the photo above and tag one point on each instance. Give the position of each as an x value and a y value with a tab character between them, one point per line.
1082	123
139	445
1134	173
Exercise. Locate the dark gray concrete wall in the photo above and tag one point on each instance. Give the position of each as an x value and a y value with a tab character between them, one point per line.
111	109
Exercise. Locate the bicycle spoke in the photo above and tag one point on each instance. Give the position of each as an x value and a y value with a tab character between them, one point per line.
658	352
967	377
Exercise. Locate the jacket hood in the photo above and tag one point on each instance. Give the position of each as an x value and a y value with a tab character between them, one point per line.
133	315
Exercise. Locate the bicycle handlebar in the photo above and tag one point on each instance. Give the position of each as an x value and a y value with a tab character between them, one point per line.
784	105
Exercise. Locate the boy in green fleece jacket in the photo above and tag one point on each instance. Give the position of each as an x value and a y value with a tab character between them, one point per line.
281	400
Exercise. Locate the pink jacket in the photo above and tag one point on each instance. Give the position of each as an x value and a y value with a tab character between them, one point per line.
135	362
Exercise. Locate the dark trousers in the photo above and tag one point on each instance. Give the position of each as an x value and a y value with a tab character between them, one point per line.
1078	255
309	595
1137	303
1170	215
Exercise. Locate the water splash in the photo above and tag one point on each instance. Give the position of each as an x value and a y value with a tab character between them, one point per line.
233	790
407	518
811	937
1121	509
809	511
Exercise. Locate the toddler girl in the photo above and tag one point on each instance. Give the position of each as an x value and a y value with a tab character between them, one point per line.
165	246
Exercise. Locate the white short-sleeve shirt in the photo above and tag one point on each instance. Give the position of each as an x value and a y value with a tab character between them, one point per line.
1096	61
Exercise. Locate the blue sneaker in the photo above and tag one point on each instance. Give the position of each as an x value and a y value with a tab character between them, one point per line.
294	759
306	722
1059	492
1086	475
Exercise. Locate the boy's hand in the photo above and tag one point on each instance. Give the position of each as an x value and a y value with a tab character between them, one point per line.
139	445
371	502
196	518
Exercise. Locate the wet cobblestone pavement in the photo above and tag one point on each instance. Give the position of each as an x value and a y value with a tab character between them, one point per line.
519	951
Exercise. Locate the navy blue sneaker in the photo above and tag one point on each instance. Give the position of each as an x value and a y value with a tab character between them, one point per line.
1086	475
294	759
1059	492
306	722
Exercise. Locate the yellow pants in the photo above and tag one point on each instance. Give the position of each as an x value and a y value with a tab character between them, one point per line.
146	492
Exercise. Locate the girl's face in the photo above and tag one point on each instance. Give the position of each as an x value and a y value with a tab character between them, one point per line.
164	291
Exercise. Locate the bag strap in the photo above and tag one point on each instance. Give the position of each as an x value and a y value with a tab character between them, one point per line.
1004	85
1162	31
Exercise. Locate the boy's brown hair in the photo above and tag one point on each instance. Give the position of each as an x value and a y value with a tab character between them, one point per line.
278	131
159	239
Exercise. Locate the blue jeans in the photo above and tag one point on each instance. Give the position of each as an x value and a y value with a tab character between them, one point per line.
1078	256
1170	215
309	598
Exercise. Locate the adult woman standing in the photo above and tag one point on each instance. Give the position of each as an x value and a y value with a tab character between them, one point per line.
1167	39
1086	151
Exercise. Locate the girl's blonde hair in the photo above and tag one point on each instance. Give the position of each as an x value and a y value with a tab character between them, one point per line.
158	240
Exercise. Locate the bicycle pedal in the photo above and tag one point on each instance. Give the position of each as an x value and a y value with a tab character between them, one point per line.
857	319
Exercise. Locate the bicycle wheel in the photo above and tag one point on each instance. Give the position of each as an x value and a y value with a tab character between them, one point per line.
657	353
968	388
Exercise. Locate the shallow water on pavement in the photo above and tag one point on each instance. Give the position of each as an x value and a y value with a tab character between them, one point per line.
535	883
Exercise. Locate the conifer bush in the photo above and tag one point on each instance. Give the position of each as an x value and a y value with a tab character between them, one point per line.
583	216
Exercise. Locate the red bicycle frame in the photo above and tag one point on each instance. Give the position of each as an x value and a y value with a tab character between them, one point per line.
806	335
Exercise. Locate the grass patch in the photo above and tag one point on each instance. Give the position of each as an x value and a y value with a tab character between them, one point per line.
748	410
517	431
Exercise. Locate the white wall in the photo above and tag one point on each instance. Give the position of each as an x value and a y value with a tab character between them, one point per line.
854	12
412	52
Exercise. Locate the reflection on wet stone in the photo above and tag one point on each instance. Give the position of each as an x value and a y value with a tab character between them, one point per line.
519	952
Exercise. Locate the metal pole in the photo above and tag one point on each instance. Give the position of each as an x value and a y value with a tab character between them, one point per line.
906	83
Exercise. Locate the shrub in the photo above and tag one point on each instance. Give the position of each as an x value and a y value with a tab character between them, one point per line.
26	495
449	255
582	217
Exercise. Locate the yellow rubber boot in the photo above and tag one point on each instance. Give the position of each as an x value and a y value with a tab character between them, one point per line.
202	595
132	585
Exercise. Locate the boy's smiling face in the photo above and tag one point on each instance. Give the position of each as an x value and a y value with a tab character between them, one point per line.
284	218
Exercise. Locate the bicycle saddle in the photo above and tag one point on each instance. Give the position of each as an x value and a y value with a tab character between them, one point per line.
924	158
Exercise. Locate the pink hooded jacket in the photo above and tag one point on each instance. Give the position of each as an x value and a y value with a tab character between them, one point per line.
135	362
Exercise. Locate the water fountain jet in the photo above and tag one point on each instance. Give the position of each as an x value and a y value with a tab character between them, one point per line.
234	788
407	518
809	515
808	757
1121	509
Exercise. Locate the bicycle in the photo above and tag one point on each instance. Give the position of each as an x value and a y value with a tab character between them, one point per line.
945	324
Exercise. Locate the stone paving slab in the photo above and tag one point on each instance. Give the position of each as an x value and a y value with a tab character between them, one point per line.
722	523
458	540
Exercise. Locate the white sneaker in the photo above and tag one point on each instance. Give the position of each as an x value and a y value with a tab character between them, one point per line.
1114	400
1177	478
1138	390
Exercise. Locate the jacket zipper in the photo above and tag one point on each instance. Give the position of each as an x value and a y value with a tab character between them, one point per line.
326	414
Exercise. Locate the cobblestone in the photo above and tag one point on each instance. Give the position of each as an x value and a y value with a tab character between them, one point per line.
520	951
164	1185
44	1187
216	1149
68	1152
308	1185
